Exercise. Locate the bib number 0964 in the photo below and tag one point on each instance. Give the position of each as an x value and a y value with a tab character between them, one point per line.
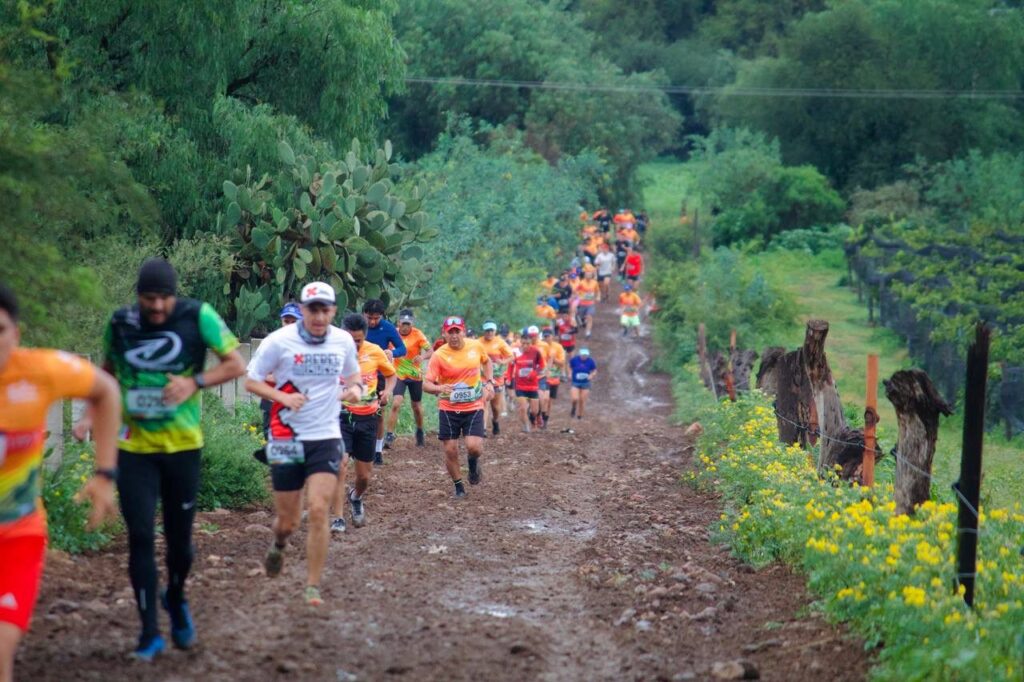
285	452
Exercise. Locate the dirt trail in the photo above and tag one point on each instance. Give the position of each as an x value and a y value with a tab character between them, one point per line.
581	557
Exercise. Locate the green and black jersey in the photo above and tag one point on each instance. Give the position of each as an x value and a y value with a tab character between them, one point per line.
141	355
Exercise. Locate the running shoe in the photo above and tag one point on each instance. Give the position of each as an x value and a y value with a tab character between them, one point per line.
460	490
274	560
378	459
475	475
421	438
149	649
358	513
389	438
338	525
495	428
183	631
312	596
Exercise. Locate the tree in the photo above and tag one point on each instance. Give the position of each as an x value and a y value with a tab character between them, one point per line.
886	45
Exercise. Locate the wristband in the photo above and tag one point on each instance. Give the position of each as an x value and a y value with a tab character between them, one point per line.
109	474
200	381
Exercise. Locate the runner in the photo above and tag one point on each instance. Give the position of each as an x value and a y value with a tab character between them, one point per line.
566	331
30	380
304	449
556	369
605	264
410	376
544	311
633	266
563	294
156	350
384	334
543	389
587	291
527	370
500	354
359	422
583	370
461	375
629	310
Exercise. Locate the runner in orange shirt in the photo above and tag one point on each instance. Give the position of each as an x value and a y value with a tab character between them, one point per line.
500	354
555	360
30	380
461	375
410	376
629	310
359	422
587	291
545	313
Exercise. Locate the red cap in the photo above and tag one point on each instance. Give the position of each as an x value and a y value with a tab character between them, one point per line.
453	322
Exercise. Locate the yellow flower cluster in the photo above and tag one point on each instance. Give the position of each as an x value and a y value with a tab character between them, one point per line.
895	574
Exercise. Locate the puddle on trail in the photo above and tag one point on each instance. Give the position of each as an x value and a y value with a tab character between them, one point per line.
551	527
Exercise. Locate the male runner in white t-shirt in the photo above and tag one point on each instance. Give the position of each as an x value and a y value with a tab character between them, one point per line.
307	361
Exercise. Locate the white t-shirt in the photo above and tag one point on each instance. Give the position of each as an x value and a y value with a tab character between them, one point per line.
311	369
605	263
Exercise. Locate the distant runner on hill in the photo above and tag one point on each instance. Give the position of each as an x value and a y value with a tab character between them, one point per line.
583	370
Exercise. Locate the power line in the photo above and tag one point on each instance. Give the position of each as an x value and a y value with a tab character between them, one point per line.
723	91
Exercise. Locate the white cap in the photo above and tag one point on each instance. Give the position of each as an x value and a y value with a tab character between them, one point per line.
317	292
533	330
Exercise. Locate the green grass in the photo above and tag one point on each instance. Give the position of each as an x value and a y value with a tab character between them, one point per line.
814	281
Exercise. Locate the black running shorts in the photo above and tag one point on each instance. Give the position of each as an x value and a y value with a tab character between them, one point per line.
322	457
532	395
415	389
360	435
553	389
451	425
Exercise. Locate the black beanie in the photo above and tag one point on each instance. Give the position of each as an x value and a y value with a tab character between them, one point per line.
157	276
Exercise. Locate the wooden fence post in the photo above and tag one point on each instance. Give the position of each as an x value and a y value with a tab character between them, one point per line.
969	485
918	406
792	400
767	375
870	422
706	372
730	381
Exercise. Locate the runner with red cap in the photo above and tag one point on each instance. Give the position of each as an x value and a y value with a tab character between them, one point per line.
461	375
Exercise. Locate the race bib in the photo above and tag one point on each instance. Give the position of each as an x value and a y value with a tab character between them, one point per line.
582	376
285	452
566	337
465	394
148	403
525	372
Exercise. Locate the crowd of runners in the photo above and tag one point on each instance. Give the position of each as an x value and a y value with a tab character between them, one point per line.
328	393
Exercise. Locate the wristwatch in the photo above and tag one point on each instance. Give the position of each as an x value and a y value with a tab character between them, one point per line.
200	381
109	474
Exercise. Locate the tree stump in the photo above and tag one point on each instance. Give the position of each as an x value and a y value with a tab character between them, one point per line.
832	424
767	380
918	406
792	400
707	375
742	366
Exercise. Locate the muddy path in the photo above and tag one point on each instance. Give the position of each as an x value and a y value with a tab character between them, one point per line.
580	557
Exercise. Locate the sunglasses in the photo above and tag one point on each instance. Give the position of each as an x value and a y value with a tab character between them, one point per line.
454	322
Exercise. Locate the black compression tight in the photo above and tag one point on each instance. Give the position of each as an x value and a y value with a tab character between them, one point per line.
142	480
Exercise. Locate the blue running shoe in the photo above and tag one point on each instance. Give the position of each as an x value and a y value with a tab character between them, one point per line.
183	632
147	651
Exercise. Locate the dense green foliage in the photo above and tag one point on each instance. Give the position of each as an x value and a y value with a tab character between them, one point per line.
536	42
231	477
738	175
504	216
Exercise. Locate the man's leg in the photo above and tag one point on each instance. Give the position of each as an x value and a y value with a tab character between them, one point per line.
179	486
287	513
138	487
338	505
396	406
474	433
10	636
320	488
288	481
524	417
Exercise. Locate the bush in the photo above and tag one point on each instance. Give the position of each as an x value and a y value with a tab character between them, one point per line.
814	240
65	517
725	292
231	477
